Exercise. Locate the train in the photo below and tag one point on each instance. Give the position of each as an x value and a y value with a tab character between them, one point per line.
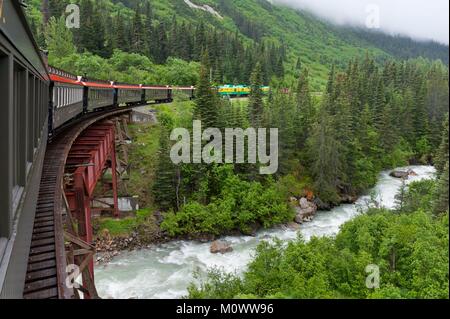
24	89
72	96
232	91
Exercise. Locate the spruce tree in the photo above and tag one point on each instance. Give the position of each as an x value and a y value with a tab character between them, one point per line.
164	186
305	110
442	192
59	39
149	42
442	156
325	159
121	40
97	46
137	44
206	104
161	49
255	103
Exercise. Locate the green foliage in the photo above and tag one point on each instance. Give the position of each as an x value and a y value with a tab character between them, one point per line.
124	227
442	157
59	39
419	196
206	106
238	206
165	186
255	105
129	68
411	251
442	191
326	163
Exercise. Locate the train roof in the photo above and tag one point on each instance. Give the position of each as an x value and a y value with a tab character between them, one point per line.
119	85
183	87
147	87
60	76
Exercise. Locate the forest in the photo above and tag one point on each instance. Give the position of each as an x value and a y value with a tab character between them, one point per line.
344	114
335	146
410	247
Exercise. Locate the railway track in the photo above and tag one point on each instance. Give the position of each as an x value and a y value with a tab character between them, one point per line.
46	271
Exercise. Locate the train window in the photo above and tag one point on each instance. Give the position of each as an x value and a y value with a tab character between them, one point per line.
61	97
19	132
37	124
30	118
58	97
5	136
44	106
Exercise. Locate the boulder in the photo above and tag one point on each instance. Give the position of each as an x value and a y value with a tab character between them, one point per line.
306	211
403	174
220	247
304	203
399	174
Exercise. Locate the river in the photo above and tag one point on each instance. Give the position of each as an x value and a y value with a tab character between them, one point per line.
166	271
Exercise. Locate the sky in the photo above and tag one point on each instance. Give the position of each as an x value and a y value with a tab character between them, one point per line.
419	19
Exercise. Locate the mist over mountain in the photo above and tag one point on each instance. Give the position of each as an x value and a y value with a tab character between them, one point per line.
418	19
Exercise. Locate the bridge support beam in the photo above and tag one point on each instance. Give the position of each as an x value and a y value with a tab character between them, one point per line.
91	157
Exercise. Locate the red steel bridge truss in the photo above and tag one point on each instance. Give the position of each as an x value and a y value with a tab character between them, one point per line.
80	164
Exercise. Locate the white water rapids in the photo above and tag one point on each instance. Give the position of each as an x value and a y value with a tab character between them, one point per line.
165	271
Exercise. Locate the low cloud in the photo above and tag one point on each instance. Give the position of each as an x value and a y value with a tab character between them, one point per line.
419	19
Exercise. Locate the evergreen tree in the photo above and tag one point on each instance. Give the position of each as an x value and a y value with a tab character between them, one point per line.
149	42
325	160
401	197
442	191
442	156
206	104
164	188
305	110
137	44
56	8
255	103
59	39
387	129
121	39
91	35
161	49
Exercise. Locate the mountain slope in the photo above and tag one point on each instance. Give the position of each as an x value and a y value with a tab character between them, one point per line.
316	42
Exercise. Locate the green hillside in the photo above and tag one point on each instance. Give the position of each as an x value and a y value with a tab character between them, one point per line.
296	35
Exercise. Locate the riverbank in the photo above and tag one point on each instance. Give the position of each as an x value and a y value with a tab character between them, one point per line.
166	270
144	231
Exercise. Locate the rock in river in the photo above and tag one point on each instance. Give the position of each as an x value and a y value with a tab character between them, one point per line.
220	247
306	211
403	174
